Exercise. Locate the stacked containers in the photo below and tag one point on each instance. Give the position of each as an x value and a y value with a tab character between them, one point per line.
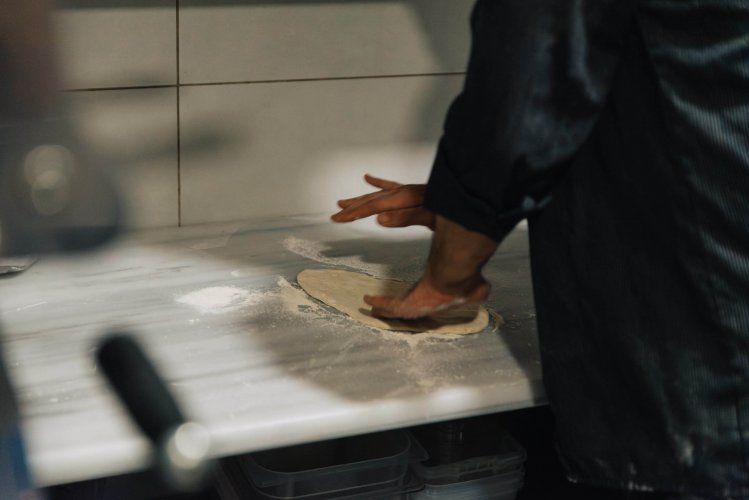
469	460
363	467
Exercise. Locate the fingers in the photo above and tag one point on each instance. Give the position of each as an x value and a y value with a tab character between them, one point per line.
383	184
403	197
358	199
422	301
408	308
391	307
407	217
395	204
382	307
374	181
380	183
426	300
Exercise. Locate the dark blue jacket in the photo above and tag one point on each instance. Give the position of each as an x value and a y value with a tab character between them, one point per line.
620	129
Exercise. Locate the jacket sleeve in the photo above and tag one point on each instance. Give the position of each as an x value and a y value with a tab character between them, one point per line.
538	75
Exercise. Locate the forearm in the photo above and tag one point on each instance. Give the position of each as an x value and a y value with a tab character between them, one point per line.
456	258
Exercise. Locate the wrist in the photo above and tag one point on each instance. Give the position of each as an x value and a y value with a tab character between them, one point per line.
456	258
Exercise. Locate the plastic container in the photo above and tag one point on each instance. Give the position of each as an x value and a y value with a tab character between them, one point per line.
498	476
508	456
456	440
369	466
387	491
499	487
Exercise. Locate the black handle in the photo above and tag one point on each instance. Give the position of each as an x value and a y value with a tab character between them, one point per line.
140	387
182	447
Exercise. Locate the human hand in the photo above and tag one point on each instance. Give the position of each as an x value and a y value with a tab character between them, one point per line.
425	299
452	278
396	205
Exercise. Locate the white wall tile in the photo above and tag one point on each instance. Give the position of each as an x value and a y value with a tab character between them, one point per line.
135	132
251	150
117	43
257	40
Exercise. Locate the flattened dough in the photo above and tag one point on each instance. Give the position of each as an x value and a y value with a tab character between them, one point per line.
344	290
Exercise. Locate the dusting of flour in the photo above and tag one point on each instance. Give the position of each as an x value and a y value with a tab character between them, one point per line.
219	299
315	251
296	301
287	299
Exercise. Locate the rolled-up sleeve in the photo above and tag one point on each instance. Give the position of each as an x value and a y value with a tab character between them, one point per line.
538	75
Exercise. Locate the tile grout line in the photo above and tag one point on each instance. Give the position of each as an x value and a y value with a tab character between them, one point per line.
252	82
325	79
130	87
179	131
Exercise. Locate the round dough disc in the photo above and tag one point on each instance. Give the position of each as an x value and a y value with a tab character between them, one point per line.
345	290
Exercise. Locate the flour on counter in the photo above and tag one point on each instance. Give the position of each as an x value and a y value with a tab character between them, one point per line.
219	299
297	301
30	306
314	250
288	299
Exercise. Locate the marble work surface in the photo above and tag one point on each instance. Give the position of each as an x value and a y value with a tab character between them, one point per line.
244	350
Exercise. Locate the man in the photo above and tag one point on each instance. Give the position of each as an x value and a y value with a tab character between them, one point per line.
620	129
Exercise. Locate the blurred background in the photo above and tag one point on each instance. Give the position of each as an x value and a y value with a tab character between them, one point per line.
227	109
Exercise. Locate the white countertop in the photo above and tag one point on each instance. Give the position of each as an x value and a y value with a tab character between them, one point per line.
243	349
